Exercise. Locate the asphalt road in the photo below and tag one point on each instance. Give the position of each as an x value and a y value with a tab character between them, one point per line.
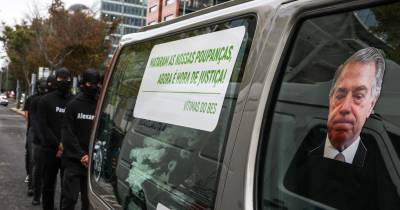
13	190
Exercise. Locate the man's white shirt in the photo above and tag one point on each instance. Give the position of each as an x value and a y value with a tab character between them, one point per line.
349	153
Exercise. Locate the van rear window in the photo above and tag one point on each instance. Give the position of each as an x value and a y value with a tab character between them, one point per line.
141	162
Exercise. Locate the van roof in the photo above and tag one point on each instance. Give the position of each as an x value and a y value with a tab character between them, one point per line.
194	14
217	7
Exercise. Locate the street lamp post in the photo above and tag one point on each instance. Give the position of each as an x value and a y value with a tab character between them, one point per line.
184	7
18	95
7	77
33	83
1	79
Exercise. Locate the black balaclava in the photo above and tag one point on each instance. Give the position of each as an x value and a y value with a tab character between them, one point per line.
41	87
93	77
51	83
63	86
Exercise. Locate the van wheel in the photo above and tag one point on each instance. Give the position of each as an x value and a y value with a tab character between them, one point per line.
98	164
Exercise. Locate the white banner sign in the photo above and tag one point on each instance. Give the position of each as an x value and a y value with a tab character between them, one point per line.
185	81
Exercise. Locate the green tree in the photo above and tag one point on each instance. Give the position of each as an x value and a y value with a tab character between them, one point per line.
388	27
75	40
17	41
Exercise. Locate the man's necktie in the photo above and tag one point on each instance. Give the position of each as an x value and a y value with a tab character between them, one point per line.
340	157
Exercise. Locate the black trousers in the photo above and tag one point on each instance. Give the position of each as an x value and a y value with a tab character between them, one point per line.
37	171
74	181
51	166
29	156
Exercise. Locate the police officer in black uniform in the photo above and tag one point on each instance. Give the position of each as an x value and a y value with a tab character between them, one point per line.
51	109
36	143
76	132
29	140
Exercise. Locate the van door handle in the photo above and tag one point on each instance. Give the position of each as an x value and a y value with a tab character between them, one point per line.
275	203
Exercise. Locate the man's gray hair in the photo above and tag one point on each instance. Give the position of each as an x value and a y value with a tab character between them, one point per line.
366	55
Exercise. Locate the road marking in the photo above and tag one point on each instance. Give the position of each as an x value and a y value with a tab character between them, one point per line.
10	115
4	164
11	126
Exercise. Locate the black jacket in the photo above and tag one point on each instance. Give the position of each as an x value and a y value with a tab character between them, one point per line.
77	127
364	184
27	108
51	109
34	119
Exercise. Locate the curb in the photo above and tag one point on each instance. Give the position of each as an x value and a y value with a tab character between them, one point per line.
18	111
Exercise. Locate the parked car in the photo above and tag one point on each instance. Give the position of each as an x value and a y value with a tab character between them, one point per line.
6	94
3	100
208	111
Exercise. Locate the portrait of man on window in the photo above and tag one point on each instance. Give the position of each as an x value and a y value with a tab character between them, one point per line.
355	90
338	163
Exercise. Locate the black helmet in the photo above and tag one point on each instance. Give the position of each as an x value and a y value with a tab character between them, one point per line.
41	86
63	81
63	73
91	75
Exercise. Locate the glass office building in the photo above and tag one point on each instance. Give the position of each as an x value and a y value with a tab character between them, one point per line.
130	13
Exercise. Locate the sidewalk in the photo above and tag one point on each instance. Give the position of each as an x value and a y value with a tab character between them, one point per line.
19	111
12	103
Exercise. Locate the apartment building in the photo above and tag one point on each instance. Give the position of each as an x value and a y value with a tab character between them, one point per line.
163	10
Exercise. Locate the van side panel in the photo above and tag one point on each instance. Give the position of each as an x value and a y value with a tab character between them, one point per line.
268	40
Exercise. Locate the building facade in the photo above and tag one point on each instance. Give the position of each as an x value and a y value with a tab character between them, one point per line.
163	10
130	13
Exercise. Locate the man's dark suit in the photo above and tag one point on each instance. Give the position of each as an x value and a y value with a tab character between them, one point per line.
365	184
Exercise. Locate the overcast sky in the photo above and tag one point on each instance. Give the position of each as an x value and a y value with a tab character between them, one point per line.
14	11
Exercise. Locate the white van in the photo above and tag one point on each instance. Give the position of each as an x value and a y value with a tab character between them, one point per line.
212	109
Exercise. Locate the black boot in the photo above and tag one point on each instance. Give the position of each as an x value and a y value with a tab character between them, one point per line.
30	192
36	201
